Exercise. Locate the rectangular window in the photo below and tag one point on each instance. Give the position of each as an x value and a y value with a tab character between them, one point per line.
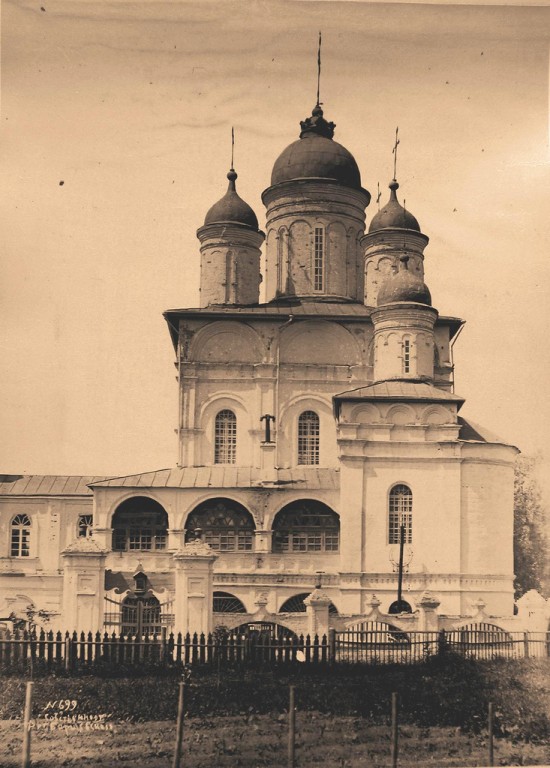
319	259
308	438
225	438
400	514
406	356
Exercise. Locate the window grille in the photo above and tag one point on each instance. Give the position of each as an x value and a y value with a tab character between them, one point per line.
225	602
400	513
225	438
308	438
85	523
226	525
20	536
406	356
306	526
319	259
295	604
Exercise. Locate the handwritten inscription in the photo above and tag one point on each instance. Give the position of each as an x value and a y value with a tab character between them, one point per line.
60	715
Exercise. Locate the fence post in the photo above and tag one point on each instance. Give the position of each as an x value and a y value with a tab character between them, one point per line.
68	650
491	720
394	732
526	644
331	646
26	752
291	727
548	644
179	727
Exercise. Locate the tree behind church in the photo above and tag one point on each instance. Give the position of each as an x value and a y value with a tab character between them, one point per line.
530	529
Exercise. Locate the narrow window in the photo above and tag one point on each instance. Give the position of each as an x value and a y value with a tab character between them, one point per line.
280	258
406	356
400	514
85	523
20	536
319	259
308	438
225	438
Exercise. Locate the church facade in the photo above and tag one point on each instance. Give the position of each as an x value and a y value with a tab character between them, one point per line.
322	458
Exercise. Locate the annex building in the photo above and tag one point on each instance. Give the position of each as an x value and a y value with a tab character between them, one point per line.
319	436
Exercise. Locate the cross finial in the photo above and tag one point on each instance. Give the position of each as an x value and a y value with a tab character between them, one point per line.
319	69
394	152
378	196
232	146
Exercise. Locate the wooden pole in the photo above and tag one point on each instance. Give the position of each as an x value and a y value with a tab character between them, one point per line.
491	719
179	727
291	728
26	752
394	733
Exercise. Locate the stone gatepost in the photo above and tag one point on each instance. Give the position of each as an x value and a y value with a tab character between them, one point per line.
194	587
317	605
83	586
429	618
533	612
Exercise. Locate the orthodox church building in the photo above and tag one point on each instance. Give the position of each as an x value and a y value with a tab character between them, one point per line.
324	467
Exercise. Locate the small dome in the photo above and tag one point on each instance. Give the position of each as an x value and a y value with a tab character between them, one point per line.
393	215
232	209
316	156
404	286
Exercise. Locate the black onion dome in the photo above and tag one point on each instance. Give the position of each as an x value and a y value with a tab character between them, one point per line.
231	209
404	286
393	215
316	156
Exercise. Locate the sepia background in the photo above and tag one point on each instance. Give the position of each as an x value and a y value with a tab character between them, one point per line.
116	138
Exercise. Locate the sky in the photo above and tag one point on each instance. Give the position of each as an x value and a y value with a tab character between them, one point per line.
116	138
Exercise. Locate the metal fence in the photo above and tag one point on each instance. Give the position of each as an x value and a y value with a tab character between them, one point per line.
49	650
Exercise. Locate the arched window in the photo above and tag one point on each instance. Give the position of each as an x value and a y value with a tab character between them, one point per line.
306	526
139	524
85	524
308	438
225	602
400	514
406	356
319	259
225	438
226	525
20	536
295	604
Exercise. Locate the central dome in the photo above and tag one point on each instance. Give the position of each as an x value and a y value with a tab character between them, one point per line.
316	156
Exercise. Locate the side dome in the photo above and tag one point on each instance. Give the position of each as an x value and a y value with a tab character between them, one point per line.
393	215
316	156
232	209
404	286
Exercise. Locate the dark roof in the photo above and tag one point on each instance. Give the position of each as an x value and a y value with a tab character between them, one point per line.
225	476
393	215
232	209
316	157
475	433
401	390
47	485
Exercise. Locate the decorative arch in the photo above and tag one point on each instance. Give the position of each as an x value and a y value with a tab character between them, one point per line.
306	525
318	342
482	639
231	443
225	525
400	415
140	524
296	604
20	536
435	415
365	413
400	513
227	342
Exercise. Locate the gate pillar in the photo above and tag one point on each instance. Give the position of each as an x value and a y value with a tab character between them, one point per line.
429	619
194	564
317	605
83	586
